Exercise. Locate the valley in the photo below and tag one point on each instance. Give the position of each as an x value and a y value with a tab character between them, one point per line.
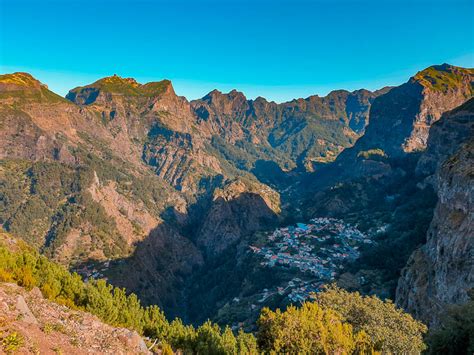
198	206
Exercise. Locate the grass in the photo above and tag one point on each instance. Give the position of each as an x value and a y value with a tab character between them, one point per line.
24	87
443	78
127	87
12	342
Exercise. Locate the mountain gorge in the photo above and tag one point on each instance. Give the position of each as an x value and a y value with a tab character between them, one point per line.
163	195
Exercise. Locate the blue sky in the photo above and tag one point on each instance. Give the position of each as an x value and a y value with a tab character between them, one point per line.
277	49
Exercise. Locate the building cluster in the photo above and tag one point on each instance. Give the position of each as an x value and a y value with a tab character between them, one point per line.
93	270
317	250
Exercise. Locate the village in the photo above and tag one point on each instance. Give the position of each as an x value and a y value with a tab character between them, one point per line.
316	250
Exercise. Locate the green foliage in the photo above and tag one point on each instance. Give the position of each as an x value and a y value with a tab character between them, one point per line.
113	306
374	154
12	342
306	330
455	334
340	322
127	87
44	201
389	329
443	77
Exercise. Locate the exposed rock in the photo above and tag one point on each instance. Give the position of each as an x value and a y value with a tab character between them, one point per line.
401	119
24	311
59	329
236	211
441	272
453	129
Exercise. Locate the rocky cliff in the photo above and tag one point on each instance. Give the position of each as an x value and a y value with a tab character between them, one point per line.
441	272
400	120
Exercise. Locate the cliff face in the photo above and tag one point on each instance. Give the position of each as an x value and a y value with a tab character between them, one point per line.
400	119
133	172
237	211
441	272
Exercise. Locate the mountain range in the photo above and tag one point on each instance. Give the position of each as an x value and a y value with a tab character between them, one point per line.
165	195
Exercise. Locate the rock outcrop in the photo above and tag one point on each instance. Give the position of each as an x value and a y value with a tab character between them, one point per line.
41	326
441	272
400	120
237	211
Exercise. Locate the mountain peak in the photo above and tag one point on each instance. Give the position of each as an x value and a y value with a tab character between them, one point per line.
23	86
444	77
117	85
216	95
18	81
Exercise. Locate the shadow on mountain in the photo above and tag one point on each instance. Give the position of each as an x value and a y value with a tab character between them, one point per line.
162	263
270	173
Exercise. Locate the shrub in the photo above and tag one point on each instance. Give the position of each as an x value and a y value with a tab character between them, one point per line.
308	330
389	329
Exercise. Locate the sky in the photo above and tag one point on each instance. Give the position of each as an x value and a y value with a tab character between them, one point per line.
279	49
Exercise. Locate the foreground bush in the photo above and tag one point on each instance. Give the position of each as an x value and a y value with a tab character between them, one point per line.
389	329
305	330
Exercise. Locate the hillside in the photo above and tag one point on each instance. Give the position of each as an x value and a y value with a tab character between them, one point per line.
32	324
440	272
52	302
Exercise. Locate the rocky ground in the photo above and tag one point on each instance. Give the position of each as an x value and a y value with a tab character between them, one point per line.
30	324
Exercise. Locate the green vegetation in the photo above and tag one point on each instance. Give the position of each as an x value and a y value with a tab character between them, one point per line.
455	334
124	86
443	77
395	209
45	201
338	322
12	342
306	330
113	306
24	88
374	154
390	330
312	138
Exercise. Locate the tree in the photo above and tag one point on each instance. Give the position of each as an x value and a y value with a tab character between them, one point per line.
390	329
306	330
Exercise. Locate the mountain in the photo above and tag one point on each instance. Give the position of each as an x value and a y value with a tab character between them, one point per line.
401	119
378	183
164	196
441	272
120	166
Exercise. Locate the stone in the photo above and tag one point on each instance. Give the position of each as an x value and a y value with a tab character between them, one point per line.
25	311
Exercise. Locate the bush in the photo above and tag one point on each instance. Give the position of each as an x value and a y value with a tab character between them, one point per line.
308	330
389	329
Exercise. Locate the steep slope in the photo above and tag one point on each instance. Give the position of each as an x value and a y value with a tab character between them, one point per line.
400	119
442	271
237	211
121	174
295	133
135	181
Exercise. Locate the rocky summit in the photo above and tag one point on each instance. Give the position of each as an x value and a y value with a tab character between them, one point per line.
219	207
